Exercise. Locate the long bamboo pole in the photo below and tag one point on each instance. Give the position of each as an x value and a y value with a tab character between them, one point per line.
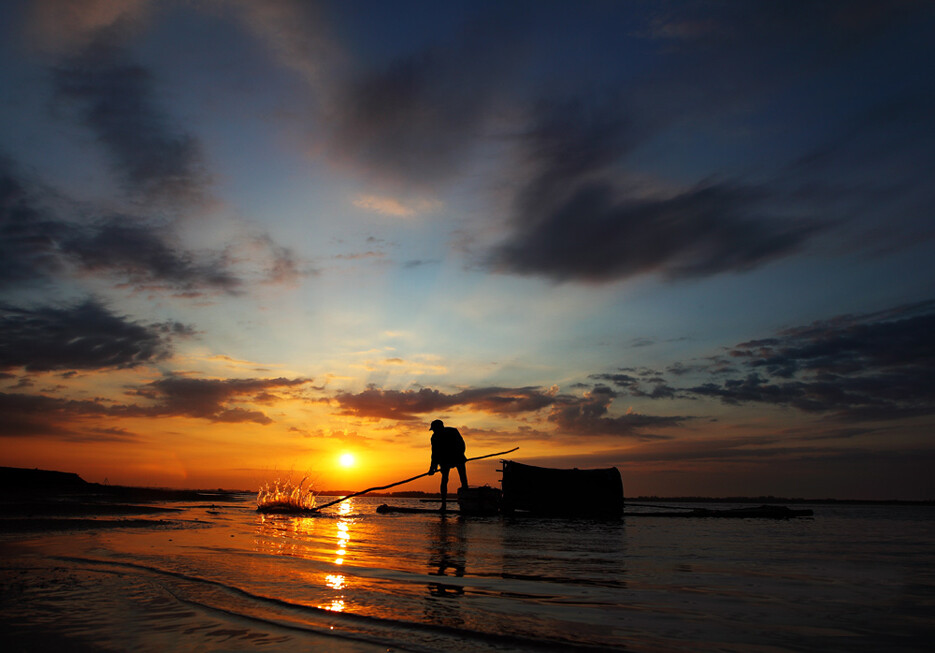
384	487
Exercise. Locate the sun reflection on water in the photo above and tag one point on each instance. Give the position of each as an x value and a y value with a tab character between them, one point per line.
343	537
335	581
336	605
283	536
311	538
342	534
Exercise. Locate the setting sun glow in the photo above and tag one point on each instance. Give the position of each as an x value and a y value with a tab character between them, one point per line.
346	460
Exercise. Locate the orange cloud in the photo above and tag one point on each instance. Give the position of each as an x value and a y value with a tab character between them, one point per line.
395	207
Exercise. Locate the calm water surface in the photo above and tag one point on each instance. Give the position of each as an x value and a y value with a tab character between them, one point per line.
854	578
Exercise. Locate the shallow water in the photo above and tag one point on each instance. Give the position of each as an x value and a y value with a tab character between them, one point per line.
854	578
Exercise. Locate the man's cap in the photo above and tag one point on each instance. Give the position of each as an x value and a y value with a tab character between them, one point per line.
436	424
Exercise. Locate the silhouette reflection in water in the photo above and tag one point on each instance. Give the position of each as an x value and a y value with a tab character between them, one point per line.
446	555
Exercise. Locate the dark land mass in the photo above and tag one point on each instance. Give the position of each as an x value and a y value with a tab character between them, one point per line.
41	483
42	500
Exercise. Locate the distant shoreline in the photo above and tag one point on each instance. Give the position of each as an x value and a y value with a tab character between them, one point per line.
657	499
18	480
798	500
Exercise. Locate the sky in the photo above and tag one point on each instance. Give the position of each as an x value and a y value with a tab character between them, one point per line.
692	240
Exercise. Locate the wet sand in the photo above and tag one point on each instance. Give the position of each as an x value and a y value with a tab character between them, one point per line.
48	603
51	603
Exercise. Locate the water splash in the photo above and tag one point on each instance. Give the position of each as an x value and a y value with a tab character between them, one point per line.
286	496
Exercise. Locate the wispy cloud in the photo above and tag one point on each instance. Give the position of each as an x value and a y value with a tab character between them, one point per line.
396	207
143	254
874	366
300	36
574	221
28	235
153	156
213	399
132	250
408	404
586	415
86	336
589	416
38	245
878	366
415	120
26	415
652	386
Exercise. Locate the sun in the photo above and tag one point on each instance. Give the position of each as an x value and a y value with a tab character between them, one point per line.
346	460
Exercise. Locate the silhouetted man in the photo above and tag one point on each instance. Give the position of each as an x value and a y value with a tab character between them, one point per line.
447	452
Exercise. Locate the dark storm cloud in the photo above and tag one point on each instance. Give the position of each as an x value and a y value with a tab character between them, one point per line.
634	385
508	401
86	336
578	216
39	415
117	100
586	415
876	366
211	399
416	118
407	404
695	72
592	236
847	344
574	219
567	142
215	400
28	236
63	419
36	245
143	254
689	77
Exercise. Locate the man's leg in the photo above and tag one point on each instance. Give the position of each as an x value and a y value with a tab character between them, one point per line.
462	474
444	486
